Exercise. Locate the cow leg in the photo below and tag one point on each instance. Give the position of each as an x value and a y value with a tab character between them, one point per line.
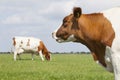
32	56
19	56
15	54
109	66
116	65
41	55
112	58
95	57
18	51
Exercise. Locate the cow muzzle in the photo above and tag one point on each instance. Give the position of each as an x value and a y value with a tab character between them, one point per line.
54	35
56	38
60	40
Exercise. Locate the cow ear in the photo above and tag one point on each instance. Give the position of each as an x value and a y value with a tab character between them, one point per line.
77	12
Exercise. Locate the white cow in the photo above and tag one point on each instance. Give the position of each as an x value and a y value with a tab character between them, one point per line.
30	44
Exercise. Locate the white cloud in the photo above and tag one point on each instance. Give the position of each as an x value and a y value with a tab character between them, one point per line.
21	16
96	5
12	20
33	15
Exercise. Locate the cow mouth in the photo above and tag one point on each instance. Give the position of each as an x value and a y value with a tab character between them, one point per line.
60	40
57	38
66	39
54	35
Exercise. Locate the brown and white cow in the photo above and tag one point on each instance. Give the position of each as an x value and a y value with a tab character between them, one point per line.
100	32
31	45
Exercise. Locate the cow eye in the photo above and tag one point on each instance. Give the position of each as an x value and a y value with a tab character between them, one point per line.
64	21
65	25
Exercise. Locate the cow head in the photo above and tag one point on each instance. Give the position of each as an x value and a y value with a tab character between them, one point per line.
47	56
68	30
85	28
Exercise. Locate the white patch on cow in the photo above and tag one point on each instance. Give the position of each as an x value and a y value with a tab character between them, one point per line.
116	65
113	15
99	63
41	55
19	51
71	38
54	35
116	57
108	61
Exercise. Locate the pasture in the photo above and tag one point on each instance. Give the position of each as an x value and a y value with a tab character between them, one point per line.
61	67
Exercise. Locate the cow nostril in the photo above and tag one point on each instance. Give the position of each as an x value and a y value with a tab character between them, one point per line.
57	39
54	35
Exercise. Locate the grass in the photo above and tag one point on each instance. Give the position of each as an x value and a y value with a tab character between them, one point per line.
61	67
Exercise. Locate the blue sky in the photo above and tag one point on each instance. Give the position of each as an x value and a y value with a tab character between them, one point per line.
39	18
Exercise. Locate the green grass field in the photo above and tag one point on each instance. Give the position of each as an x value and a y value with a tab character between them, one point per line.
61	67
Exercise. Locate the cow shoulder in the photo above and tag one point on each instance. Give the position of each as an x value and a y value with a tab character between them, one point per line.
96	27
113	16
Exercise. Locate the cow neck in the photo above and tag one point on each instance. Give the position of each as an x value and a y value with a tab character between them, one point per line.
44	49
99	50
95	47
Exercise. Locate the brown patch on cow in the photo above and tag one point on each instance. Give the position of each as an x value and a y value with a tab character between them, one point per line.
97	27
44	50
109	34
97	33
28	43
98	51
14	42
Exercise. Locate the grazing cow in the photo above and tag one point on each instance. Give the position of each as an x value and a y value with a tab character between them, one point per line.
100	32
30	44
